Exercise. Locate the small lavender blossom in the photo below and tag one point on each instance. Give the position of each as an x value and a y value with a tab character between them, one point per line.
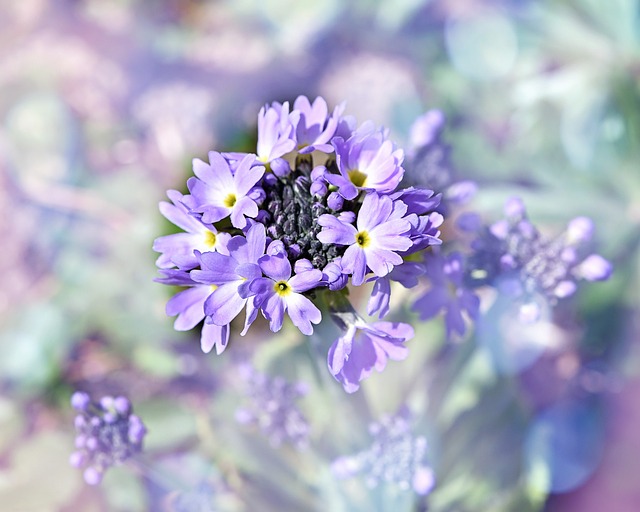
178	249
380	231
272	408
395	457
314	127
512	255
107	434
367	161
218	193
279	292
363	348
447	293
276	132
188	305
232	275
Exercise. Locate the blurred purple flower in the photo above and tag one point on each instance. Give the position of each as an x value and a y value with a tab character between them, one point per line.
447	293
395	457
272	408
107	434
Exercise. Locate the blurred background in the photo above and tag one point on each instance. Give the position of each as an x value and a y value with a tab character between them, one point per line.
103	107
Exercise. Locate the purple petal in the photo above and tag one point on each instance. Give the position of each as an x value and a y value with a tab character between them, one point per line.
305	280
244	207
303	313
214	335
354	262
277	267
189	306
380	295
335	231
224	304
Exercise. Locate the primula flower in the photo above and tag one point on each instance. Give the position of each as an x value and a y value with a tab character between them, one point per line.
353	356
189	306
280	292
232	276
314	128
366	161
218	193
325	222
276	132
178	249
107	434
380	230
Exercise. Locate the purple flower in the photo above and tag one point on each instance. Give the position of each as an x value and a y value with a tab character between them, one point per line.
353	356
447	293
107	434
280	292
426	129
314	128
380	231
276	132
232	274
178	249
396	456
366	161
218	193
189	306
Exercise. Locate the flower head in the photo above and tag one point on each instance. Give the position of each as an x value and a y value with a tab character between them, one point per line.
107	434
217	193
367	161
380	231
363	348
299	232
512	255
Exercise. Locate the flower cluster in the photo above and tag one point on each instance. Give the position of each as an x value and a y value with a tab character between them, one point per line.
272	408
316	207
514	257
107	434
396	456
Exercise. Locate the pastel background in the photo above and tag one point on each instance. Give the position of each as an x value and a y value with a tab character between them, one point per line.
103	106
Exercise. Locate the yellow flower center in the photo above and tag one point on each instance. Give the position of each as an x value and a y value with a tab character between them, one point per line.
213	287
358	178
210	239
363	239
282	288
230	200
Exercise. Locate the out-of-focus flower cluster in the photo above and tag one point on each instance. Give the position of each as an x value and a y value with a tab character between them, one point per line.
396	456
107	433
